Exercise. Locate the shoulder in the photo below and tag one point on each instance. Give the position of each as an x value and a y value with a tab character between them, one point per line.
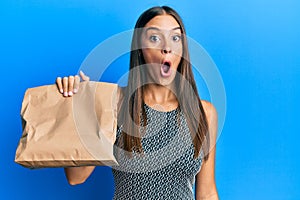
210	110
121	93
211	117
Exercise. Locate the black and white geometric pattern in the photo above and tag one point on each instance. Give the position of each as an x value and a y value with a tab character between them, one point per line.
166	169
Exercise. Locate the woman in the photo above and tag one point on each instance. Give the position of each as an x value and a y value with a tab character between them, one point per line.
166	135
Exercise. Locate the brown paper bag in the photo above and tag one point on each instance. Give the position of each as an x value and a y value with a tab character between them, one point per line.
64	132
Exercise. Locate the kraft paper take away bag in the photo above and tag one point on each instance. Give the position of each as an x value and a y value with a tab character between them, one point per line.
65	132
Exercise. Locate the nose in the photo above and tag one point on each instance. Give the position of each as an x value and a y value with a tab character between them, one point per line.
166	50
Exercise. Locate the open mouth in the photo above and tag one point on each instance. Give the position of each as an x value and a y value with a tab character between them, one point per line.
165	69
166	66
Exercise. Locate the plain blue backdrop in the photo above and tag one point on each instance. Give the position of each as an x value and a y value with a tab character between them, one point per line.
255	45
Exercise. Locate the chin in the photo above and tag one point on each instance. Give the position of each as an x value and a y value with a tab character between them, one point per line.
167	81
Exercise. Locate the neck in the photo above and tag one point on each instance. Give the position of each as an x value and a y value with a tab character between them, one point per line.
162	96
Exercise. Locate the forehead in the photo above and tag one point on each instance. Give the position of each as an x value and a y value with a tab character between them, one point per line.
166	22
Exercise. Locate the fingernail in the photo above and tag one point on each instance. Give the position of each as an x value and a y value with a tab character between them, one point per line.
65	94
70	93
61	91
75	91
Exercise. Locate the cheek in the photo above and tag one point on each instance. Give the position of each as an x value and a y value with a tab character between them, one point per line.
178	51
146	55
151	55
178	57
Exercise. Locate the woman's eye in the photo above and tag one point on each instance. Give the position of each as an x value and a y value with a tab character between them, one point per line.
176	38
154	38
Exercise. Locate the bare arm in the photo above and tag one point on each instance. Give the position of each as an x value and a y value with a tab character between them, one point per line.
78	175
205	180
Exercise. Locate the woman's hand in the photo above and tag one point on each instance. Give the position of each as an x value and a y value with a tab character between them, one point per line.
70	85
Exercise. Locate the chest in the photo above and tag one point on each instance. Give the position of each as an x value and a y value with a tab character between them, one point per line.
167	147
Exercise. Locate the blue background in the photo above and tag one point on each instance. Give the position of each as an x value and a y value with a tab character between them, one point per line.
255	45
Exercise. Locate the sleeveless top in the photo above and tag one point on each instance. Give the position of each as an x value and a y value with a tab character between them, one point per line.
166	169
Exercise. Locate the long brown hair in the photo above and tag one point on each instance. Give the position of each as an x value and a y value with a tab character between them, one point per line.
131	107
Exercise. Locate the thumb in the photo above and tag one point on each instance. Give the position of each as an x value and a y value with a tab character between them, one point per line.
83	76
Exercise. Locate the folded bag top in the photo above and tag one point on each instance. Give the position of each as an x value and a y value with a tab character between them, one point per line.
66	132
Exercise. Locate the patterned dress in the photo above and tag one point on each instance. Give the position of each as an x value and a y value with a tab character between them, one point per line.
166	169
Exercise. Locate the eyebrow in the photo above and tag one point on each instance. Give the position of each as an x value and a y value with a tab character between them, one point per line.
158	29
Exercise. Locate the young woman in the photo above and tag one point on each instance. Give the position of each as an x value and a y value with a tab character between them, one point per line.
166	135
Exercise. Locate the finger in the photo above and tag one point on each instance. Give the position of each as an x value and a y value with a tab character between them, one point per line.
76	84
83	76
59	84
70	85
65	86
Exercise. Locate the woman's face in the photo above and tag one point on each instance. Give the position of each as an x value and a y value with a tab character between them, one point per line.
162	48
